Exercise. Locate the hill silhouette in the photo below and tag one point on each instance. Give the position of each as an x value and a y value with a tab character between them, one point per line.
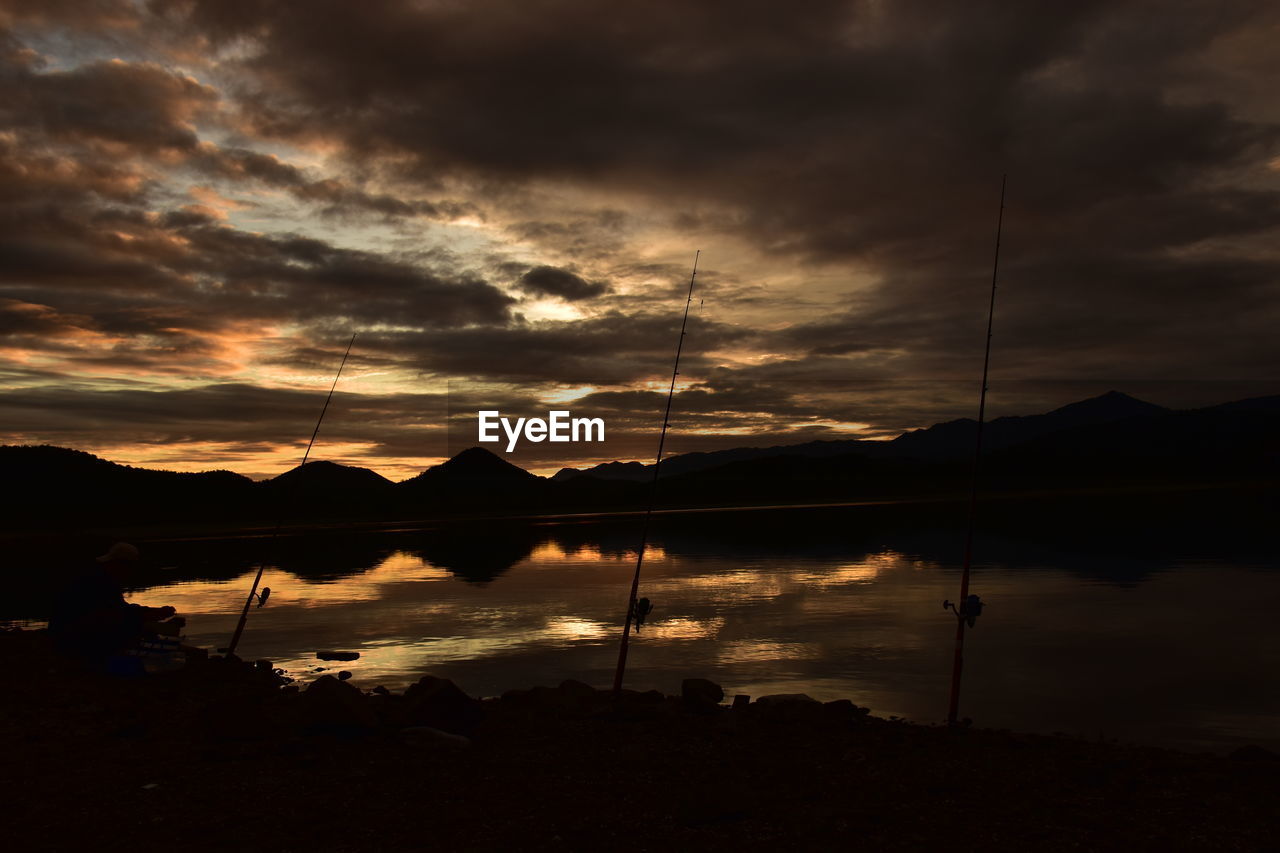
326	489
63	484
329	475
476	480
943	441
955	439
1112	440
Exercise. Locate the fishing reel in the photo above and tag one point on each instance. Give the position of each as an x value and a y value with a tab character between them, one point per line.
969	610
639	611
263	595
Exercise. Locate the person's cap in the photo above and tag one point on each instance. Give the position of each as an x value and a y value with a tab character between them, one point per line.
121	552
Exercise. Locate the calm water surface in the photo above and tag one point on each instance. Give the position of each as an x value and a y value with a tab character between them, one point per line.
1102	639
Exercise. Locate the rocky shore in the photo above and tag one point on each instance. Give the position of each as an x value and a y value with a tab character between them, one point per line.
224	754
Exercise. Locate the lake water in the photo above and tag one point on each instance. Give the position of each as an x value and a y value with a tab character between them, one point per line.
1146	637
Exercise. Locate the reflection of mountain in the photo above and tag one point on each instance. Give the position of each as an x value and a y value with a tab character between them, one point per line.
477	554
1119	540
330	556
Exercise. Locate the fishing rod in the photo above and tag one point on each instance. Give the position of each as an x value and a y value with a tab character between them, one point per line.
970	607
632	604
262	565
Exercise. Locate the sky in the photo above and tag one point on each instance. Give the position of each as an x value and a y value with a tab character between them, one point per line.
203	201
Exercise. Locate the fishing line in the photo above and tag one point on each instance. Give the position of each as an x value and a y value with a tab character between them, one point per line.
967	610
257	579
653	489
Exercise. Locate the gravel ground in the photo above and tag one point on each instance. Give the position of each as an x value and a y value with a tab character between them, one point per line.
219	757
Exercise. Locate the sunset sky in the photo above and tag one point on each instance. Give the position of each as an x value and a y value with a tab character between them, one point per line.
202	201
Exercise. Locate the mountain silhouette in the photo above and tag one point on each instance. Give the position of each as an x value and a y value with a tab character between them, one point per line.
686	463
632	471
955	439
473	465
944	441
324	476
475	479
327	490
1238	438
56	484
1106	442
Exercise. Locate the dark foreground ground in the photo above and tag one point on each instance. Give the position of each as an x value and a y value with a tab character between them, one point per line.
219	757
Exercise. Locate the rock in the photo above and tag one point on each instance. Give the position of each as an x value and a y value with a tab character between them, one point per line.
328	702
441	704
701	693
1252	752
790	708
577	689
741	701
343	656
570	696
517	698
577	697
844	711
426	736
436	690
784	698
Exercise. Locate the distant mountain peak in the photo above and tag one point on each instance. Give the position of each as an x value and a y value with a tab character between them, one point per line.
323	473
476	463
1112	405
479	457
614	470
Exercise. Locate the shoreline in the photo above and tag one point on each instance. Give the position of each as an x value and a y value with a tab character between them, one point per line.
261	529
219	755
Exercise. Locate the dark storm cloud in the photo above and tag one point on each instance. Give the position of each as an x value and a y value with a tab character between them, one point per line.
76	14
140	109
841	131
80	253
865	138
241	418
145	107
86	258
188	269
606	349
336	196
231	413
554	281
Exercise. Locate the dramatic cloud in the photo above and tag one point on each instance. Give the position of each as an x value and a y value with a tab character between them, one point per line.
551	281
503	199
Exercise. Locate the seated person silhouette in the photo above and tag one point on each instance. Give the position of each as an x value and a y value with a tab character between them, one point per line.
93	625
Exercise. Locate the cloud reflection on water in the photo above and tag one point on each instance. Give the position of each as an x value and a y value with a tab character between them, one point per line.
840	620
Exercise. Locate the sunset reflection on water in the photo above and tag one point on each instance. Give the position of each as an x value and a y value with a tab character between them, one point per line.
828	620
